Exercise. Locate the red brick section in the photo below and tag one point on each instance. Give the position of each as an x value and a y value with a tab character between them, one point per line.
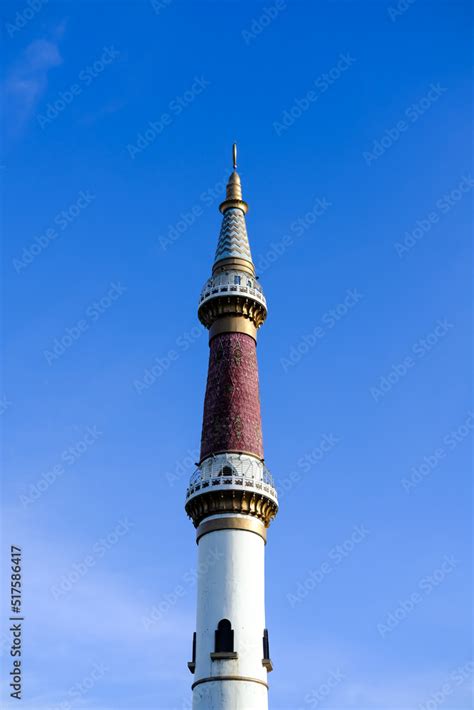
231	419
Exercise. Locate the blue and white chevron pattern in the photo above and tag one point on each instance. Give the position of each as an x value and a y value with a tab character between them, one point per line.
233	240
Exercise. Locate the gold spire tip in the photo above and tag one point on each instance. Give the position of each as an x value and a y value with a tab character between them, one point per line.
234	188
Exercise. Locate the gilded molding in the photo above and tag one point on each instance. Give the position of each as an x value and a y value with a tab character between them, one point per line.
240	306
234	500
233	262
232	324
234	523
234	203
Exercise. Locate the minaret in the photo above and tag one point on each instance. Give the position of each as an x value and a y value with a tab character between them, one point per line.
231	497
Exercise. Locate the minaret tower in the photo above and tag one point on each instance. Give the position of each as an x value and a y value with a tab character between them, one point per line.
231	497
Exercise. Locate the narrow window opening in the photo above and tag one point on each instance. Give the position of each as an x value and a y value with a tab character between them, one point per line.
237	280
224	637
224	642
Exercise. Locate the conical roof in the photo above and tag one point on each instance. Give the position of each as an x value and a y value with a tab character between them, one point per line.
233	239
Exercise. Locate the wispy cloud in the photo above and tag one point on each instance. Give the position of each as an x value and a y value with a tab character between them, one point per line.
99	623
26	81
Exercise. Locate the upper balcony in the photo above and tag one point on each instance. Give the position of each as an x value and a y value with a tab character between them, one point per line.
230	283
231	482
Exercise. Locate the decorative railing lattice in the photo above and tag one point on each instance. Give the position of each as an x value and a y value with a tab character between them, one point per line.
235	470
225	284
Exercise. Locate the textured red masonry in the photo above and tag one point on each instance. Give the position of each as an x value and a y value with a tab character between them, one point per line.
231	419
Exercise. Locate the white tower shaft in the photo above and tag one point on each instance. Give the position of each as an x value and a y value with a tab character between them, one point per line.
232	588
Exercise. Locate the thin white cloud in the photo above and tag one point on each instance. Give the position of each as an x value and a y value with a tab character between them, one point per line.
99	621
26	82
96	601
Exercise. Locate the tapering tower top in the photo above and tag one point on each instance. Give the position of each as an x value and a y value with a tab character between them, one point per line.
232	300
233	246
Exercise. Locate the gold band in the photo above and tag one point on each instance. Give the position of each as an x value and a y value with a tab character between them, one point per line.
247	501
234	202
233	324
232	523
233	262
211	679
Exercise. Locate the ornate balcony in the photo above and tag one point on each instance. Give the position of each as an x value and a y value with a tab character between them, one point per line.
232	283
231	482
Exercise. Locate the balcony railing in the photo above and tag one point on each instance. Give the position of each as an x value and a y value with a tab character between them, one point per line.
225	284
239	472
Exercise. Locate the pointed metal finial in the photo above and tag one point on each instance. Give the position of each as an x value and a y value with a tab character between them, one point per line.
234	189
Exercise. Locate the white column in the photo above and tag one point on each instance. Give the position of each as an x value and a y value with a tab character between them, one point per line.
231	587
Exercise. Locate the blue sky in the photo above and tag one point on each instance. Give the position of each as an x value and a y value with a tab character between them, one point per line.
353	121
